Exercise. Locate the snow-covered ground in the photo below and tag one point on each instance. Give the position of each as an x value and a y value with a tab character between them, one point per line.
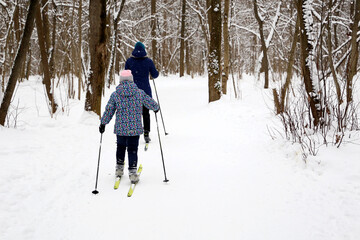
228	178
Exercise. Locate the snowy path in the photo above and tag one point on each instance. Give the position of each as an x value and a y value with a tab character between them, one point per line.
228	179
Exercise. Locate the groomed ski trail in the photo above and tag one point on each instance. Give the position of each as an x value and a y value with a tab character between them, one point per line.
228	178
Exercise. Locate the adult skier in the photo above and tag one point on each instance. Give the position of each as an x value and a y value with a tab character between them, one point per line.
127	102
141	67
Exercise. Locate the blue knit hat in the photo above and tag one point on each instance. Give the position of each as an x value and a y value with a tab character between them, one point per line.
140	45
139	50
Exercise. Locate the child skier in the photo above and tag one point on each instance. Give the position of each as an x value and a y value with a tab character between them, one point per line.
127	101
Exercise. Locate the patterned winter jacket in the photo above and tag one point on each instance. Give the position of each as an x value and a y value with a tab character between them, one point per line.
127	101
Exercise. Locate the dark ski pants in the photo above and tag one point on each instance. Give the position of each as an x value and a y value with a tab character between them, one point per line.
130	143
146	119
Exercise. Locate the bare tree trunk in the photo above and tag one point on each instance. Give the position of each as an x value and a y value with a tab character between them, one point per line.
280	103
53	43
187	59
17	23
264	61
203	25
153	32
113	49
354	55
225	75
44	60
79	62
182	39
306	48
28	65
95	84
208	6
45	23
164	49
19	60
214	58
14	23
331	62
253	54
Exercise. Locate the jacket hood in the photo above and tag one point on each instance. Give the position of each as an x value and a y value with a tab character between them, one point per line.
139	50
126	88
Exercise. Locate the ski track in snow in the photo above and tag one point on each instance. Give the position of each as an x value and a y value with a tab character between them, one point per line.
228	178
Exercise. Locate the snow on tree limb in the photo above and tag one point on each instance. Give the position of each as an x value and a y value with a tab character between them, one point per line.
3	3
246	29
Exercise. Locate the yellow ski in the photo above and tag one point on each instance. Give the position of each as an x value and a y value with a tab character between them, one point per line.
117	182
133	185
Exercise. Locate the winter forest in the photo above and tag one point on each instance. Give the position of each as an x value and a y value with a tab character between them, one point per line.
276	41
300	57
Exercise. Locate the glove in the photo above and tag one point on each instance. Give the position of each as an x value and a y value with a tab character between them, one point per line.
102	128
157	110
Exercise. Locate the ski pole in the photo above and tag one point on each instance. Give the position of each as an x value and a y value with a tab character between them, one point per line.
97	172
162	155
157	97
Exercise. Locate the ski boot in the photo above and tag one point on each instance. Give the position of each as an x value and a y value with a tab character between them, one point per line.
146	137
134	177
119	170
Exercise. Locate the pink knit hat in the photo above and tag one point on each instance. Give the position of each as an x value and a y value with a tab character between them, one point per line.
126	75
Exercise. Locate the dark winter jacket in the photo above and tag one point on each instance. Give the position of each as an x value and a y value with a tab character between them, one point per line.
128	101
141	66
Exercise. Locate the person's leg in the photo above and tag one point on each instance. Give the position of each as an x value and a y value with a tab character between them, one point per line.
146	119
120	151
132	149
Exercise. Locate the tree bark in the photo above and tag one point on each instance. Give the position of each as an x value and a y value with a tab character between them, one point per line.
44	60
203	25
214	58
354	55
290	65
45	23
153	33
280	103
53	43
330	49
182	39
187	58
13	25
264	61
16	20
225	75
79	62
306	48
28	65
97	45
164	45
113	49
19	61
